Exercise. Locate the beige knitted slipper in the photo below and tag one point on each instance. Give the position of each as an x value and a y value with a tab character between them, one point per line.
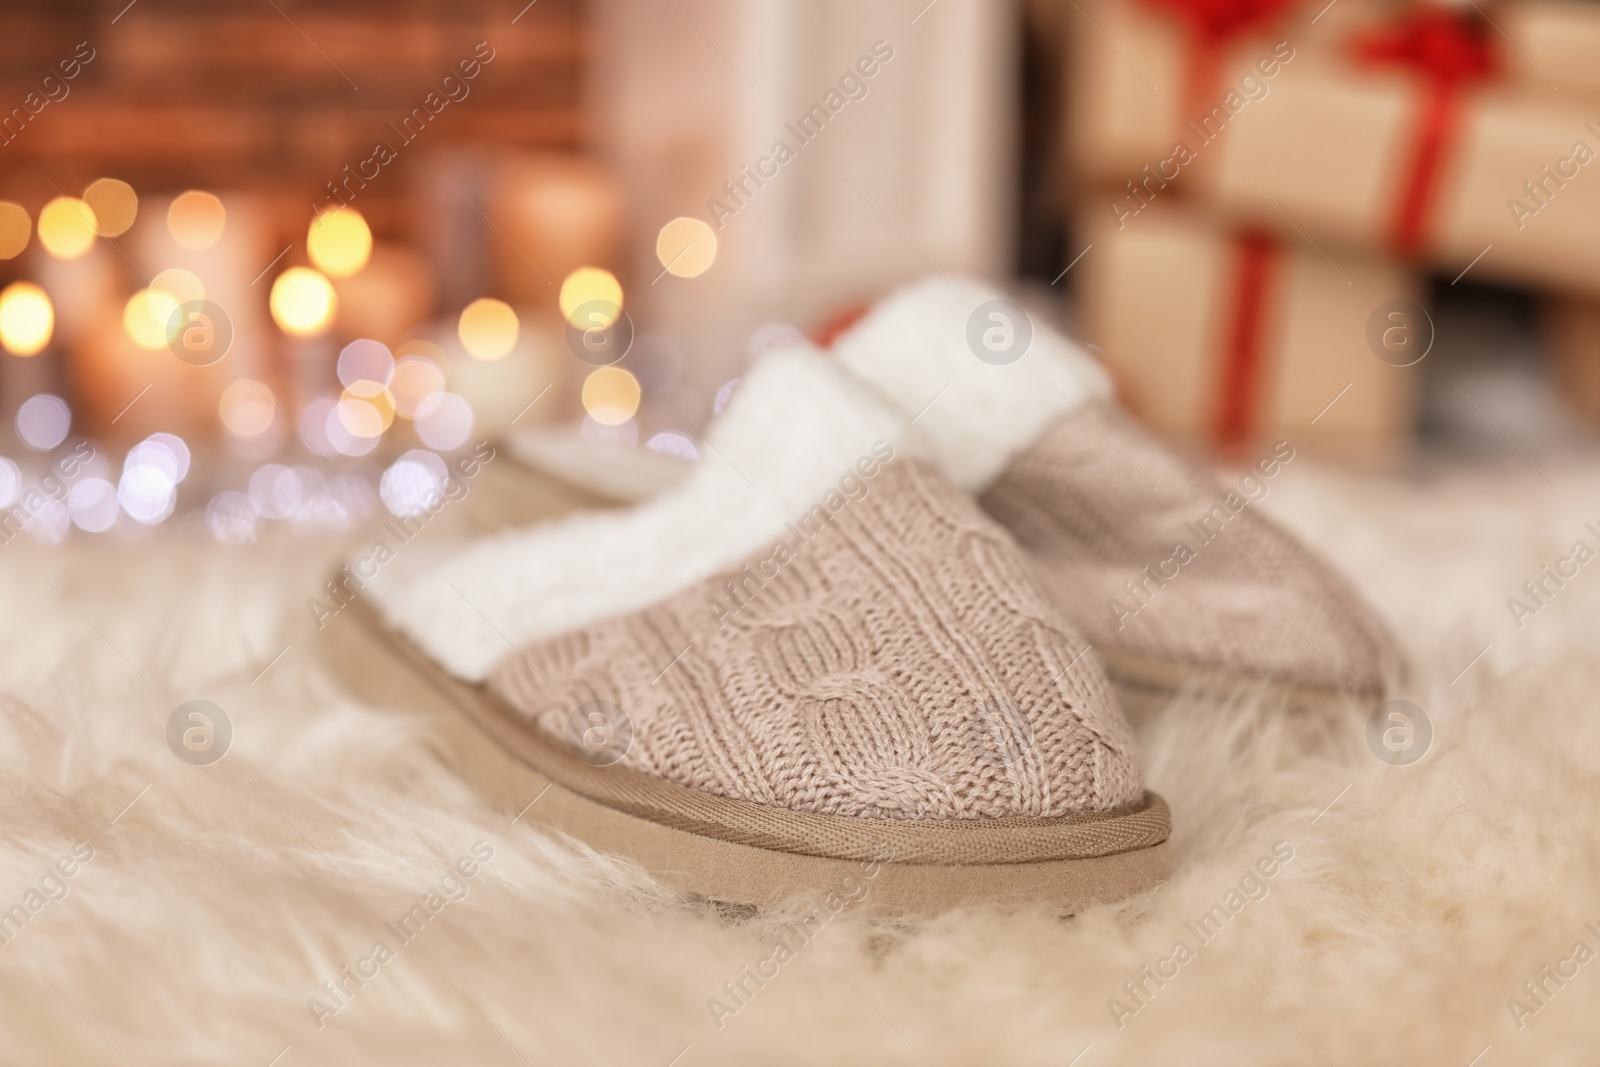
875	701
1177	581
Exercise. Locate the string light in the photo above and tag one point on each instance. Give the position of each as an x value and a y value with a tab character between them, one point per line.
585	286
142	323
172	287
611	396
302	302
196	220
686	247
115	206
247	407
339	242
16	229
488	329
27	319
66	227
416	378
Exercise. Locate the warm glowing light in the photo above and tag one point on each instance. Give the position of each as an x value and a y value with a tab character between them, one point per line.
115	206
444	421
364	360
196	219
339	242
43	421
172	287
488	328
247	407
66	227
27	318
143	322
686	247
416	378
673	444
302	302
366	409
587	284
611	396
15	229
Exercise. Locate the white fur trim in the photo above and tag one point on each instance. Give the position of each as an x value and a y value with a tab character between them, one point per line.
623	472
913	348
795	426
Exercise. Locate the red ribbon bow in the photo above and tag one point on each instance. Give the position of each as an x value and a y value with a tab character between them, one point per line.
1450	53
1212	25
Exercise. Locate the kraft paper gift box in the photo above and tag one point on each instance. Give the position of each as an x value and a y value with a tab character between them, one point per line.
1414	143
1227	339
1143	70
1556	40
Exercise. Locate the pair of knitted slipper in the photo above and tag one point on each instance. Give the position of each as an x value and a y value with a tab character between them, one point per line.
820	664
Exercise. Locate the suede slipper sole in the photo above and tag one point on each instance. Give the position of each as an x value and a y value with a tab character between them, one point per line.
741	853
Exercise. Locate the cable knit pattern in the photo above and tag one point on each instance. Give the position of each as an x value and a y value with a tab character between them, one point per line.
1095	501
902	665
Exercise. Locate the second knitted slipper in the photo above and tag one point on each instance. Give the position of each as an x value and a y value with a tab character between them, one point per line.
1175	579
815	666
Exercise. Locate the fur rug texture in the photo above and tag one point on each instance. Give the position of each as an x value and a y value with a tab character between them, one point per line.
207	906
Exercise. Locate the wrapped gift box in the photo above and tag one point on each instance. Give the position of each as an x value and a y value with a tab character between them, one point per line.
1229	338
1553	43
1413	141
1146	74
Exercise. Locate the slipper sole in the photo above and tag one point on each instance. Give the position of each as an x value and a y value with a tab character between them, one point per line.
740	853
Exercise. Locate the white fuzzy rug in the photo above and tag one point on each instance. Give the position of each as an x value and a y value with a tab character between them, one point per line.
1416	904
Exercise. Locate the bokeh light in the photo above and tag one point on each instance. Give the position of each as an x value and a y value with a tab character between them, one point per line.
275	491
416	378
247	407
724	394
686	247
365	361
488	328
588	284
27	319
339	242
175	447
115	206
196	220
43	421
610	396
92	504
231	517
366	409
412	483
444	421
172	287
164	451
673	444
147	493
16	229
339	436
143	323
50	523
302	302
66	227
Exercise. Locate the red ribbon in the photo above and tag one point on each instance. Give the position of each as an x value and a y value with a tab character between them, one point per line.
1450	53
1255	255
1211	26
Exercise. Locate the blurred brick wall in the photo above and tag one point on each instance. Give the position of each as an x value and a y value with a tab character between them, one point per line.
276	96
